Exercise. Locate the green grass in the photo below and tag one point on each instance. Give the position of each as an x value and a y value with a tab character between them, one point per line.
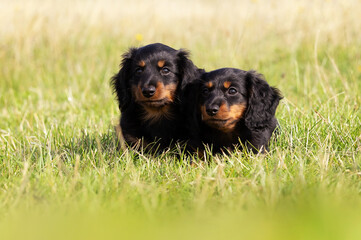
61	175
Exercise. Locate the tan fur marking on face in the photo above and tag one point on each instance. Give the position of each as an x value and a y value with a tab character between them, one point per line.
161	63
162	91
227	84
169	91
231	115
141	63
159	89
223	111
209	84
237	111
154	113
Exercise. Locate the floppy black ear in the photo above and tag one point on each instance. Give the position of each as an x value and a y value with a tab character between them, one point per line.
190	102
262	101
187	70
120	81
190	112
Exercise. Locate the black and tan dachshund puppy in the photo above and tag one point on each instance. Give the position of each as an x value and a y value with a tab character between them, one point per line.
147	88
231	106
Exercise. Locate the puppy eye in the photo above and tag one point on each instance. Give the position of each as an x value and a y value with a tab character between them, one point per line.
205	91
232	91
165	71
139	70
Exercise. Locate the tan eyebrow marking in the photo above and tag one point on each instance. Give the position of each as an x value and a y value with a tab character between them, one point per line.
209	84
161	63
227	84
141	63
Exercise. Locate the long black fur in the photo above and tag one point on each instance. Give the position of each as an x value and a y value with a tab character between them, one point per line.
253	130
133	125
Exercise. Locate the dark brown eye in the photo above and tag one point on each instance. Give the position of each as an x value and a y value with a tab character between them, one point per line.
165	71
205	91
232	91
139	70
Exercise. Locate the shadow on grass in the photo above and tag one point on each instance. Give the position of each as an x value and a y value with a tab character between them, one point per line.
107	148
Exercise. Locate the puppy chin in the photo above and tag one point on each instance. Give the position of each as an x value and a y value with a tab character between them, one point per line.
224	125
155	103
216	123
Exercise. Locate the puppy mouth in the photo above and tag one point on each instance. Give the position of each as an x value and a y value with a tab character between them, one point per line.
156	103
218	121
226	124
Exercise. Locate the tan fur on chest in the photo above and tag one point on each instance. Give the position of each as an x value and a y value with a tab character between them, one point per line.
153	115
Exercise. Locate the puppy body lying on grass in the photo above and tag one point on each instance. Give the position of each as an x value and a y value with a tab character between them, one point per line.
231	106
147	88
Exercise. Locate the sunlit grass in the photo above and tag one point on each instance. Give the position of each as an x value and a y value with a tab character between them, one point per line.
62	176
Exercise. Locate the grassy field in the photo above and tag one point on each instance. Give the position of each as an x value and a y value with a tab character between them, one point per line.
61	176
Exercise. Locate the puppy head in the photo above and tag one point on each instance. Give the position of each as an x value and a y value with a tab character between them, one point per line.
228	95
223	98
151	76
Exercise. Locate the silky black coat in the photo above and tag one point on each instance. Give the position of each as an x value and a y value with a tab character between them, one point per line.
148	86
230	107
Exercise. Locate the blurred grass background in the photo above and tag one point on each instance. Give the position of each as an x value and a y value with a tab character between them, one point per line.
61	175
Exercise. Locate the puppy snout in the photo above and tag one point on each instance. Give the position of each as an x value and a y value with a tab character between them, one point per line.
148	91
212	110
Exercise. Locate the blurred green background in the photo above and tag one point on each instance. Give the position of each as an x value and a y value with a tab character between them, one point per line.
62	177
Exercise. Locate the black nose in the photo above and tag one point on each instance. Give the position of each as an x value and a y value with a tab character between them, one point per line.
148	91
211	111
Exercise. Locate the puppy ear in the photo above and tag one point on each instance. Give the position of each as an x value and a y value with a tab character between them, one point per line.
187	70
120	81
190	109
262	101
